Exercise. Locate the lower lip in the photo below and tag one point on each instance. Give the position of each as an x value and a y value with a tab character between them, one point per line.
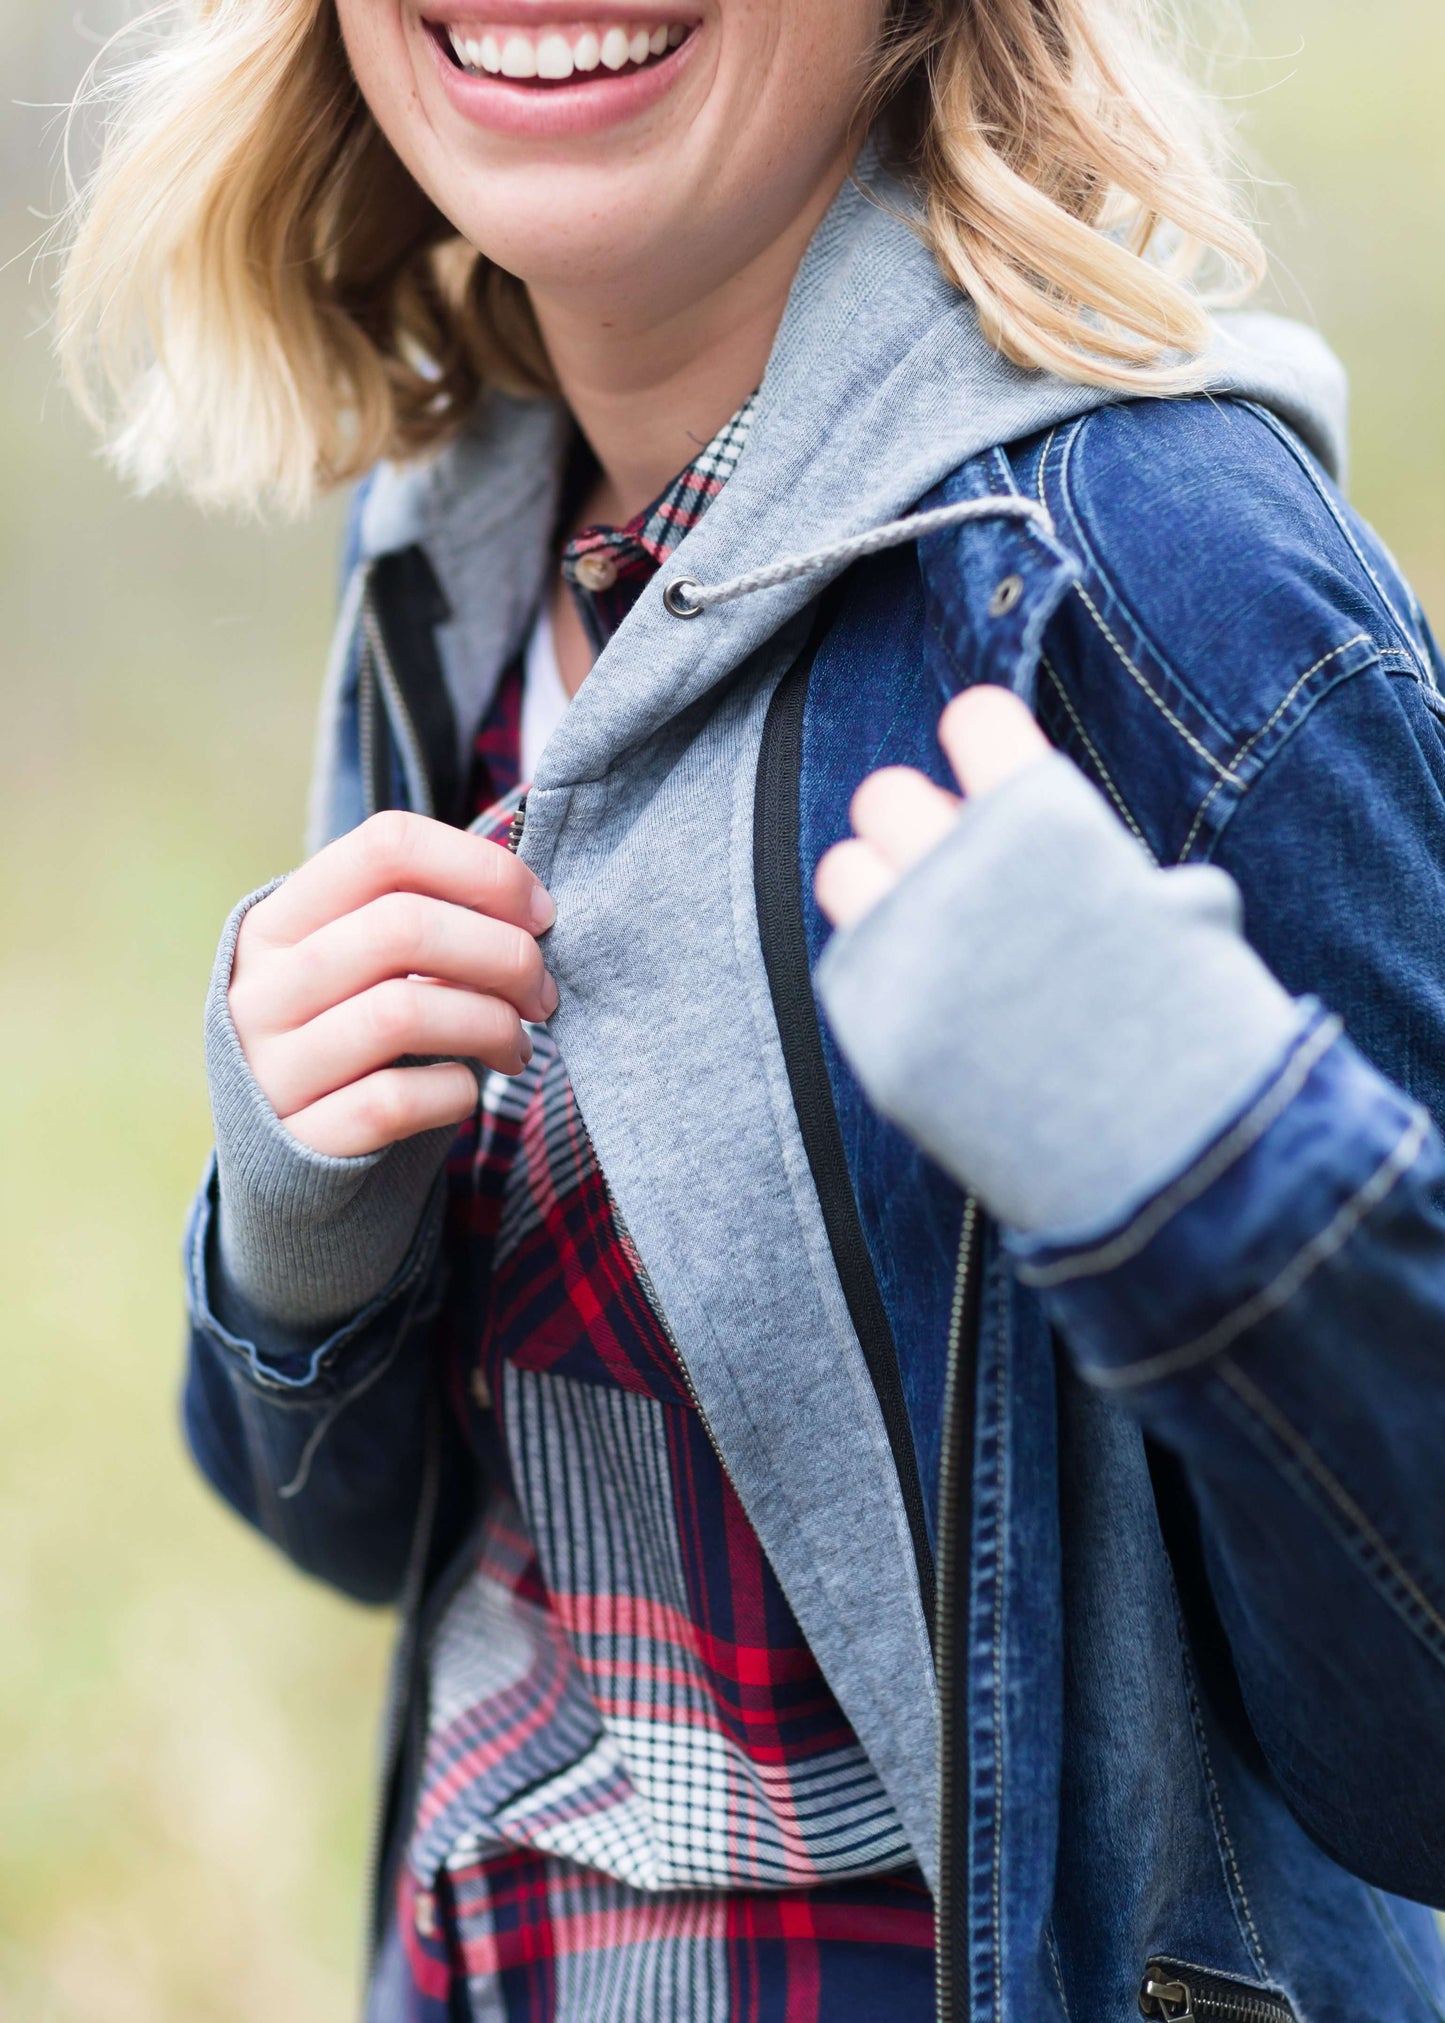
586	107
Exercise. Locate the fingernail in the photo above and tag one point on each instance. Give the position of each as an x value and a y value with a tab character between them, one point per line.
543	912
526	1046
550	994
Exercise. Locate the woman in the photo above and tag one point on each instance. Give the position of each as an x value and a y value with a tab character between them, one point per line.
751	379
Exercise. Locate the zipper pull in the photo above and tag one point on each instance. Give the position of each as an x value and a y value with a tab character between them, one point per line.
519	823
1206	1997
1170	2000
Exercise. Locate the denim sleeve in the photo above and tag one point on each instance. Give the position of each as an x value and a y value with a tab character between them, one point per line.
319	1438
1276	1316
1269	1297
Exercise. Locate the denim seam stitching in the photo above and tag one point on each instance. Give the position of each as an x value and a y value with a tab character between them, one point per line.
1197	824
1042	486
1307	465
1360	639
1268	725
1191	1184
1201	750
1286	1283
1106	779
268	1508
1239	1896
1051	1946
1382	653
288	1491
1351	1519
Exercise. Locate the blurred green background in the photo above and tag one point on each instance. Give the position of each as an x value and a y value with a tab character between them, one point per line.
185	1725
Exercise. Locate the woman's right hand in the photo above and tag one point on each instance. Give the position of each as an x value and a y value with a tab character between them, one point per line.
406	936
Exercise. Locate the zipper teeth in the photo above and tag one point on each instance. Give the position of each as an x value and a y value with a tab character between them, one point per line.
519	823
1231	2009
649	1293
397	710
366	706
948	1575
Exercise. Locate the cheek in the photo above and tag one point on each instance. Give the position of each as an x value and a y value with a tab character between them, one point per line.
375	43
798	70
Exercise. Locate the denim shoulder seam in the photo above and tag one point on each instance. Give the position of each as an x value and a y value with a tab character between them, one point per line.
1191	1184
1371	1551
1360	639
1391	658
1248	745
1306	1261
1306	465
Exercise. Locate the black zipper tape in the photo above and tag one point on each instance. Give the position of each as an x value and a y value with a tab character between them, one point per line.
778	884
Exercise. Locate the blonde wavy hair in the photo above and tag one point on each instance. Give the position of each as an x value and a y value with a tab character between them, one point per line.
258	301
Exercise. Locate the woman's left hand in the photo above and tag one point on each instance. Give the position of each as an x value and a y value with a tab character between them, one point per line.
1056	1021
899	815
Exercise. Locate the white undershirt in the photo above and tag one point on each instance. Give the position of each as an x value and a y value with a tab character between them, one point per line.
543	697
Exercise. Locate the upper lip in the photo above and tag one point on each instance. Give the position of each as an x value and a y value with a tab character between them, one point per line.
554	13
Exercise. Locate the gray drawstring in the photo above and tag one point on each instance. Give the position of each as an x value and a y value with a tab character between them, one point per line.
685	598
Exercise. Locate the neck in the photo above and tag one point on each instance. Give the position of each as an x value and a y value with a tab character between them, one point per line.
650	384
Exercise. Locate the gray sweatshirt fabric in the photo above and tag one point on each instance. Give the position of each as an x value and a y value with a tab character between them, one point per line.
640	824
945	998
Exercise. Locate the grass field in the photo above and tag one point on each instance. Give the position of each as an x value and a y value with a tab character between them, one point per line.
185	1726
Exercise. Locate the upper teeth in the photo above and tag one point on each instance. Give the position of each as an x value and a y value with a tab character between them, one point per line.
519	52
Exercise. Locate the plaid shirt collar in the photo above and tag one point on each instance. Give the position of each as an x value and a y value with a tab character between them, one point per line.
608	568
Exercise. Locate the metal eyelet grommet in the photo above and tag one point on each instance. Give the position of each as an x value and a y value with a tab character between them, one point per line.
1005	597
679	600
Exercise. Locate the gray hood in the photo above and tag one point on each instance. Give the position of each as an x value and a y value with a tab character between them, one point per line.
641	823
880	384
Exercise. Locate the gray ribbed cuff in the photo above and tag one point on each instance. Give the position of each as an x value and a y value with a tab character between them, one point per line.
306	1239
1056	1022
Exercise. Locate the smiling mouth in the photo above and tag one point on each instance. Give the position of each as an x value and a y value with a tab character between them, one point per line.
539	59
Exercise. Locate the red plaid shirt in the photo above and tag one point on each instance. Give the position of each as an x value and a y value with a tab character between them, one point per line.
639	1798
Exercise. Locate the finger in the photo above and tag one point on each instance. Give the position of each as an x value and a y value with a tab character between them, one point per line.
399	852
393	1104
902	814
989	735
851	878
401	934
380	1026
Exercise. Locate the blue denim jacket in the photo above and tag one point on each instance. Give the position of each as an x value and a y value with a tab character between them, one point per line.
1205	1686
1205	1698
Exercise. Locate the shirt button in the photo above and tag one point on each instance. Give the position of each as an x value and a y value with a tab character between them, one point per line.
426	1914
481	1390
596	571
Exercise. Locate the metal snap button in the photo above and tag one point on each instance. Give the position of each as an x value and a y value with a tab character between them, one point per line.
1005	597
596	571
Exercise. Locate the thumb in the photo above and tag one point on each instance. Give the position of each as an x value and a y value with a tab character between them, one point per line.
989	735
